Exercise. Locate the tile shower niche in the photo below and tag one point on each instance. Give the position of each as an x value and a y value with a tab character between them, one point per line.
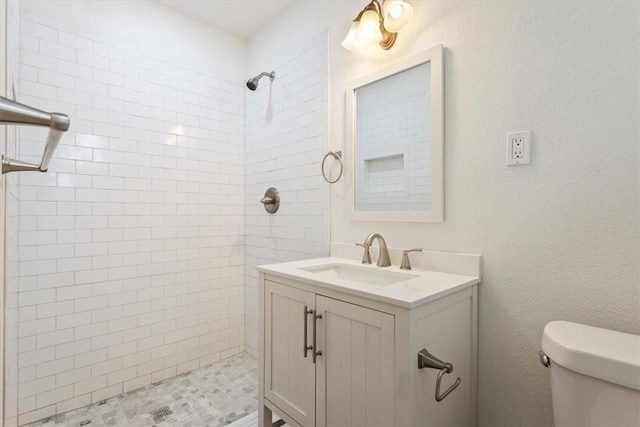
384	178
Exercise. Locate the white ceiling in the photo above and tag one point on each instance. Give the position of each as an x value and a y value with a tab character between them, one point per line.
242	18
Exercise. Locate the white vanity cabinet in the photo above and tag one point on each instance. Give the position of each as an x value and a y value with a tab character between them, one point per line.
357	359
366	367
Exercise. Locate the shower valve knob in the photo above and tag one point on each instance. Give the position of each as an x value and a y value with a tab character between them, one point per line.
271	200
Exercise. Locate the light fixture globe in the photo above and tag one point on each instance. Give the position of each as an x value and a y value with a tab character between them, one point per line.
369	29
396	13
351	42
369	33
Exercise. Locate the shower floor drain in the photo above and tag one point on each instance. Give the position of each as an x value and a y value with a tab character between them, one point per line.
160	414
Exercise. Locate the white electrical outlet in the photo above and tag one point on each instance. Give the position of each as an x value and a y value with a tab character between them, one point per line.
518	148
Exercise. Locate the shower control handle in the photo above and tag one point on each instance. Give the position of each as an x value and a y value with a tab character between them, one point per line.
271	200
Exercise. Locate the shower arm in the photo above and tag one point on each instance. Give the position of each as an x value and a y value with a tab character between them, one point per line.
12	112
271	75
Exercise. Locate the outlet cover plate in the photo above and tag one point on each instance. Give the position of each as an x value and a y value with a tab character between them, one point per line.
519	148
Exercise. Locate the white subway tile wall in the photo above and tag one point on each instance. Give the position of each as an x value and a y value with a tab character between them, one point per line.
11	310
285	140
131	263
12	252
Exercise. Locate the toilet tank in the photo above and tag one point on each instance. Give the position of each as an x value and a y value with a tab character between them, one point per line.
595	375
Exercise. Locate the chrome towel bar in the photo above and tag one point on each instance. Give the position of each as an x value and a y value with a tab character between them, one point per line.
12	112
428	360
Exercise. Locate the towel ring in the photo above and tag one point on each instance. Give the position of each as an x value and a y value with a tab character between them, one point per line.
338	156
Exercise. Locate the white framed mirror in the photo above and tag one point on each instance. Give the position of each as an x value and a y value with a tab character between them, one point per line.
395	137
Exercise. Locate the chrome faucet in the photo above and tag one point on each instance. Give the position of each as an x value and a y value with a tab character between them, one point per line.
383	256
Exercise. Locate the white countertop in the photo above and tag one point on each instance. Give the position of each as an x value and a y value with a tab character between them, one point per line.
425	287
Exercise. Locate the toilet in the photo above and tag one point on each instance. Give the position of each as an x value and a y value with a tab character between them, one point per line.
595	375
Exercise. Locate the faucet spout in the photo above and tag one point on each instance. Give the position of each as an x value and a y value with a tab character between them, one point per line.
383	256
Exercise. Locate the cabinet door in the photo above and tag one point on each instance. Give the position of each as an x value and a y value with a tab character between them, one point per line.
355	372
289	377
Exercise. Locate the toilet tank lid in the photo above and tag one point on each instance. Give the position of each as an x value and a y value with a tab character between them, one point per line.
601	353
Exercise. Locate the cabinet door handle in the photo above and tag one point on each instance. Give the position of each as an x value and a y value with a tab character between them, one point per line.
316	316
304	321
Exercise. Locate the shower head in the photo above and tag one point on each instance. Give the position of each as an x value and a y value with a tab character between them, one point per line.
252	83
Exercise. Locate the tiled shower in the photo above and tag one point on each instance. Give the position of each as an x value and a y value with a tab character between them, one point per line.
135	254
285	138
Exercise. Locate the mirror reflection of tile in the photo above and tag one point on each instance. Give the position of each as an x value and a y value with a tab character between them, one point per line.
393	142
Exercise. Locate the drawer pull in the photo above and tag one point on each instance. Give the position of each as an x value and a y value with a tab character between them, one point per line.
316	316
304	321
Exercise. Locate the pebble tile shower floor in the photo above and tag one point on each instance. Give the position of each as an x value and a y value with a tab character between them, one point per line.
218	395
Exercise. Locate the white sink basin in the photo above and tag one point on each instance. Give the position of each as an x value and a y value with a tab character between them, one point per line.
367	275
404	288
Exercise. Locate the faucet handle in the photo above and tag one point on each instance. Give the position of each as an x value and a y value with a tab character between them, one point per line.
366	257
406	264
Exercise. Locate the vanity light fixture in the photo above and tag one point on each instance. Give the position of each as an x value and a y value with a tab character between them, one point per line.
377	25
